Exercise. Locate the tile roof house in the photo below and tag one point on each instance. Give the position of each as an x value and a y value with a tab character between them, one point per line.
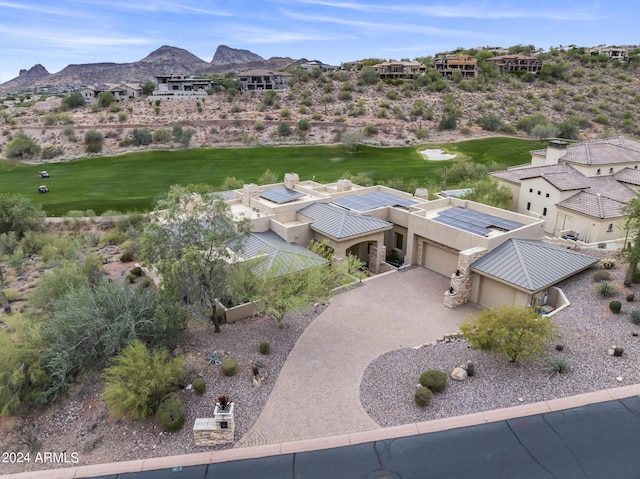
579	188
399	69
516	63
447	64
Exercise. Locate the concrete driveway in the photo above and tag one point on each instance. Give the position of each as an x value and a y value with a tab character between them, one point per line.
317	391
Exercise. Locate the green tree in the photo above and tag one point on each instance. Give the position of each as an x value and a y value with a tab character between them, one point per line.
181	135
351	139
544	131
631	250
105	98
516	332
21	146
188	242
148	87
141	136
368	76
20	215
93	141
268	177
303	125
72	101
138	379
489	192
231	183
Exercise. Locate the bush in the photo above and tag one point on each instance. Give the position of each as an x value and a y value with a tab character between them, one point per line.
370	129
161	135
601	275
199	386
630	297
22	146
265	347
229	367
635	316
72	101
126	256
93	141
137	271
422	397
303	125
170	413
605	288
615	307
434	379
139	379
141	137
608	263
284	129
556	365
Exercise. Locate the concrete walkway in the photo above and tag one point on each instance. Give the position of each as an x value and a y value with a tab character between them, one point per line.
317	391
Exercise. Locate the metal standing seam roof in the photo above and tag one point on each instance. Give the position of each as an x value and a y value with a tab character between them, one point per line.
531	265
281	195
340	223
279	256
373	200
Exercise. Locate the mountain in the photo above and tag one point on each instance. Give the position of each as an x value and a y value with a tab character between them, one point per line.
225	55
166	60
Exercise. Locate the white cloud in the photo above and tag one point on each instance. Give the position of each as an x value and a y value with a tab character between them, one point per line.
157	6
70	39
45	9
245	34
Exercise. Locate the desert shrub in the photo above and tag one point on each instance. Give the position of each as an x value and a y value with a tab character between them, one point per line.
93	141
49	152
229	367
139	379
258	126
601	275
615	307
489	122
370	129
137	271
422	396
74	100
556	365
170	413
434	379
21	146
630	297
161	135
635	316
265	347
303	125
448	122
141	137
19	214
284	129
126	256
114	237
608	263
199	386
422	134
605	288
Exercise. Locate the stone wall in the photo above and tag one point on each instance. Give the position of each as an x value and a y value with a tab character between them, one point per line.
377	255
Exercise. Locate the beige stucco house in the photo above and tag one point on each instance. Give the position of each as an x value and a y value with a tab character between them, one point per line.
577	189
448	235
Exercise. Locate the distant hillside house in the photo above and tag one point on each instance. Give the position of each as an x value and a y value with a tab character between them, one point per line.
120	91
181	86
317	65
260	80
447	64
577	189
516	63
392	70
620	54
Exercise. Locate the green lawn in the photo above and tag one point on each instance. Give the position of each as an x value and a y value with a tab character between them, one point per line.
133	181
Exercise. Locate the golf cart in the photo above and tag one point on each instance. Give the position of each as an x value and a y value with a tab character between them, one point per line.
43	189
44	174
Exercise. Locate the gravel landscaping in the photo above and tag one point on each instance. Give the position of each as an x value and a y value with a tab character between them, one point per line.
588	330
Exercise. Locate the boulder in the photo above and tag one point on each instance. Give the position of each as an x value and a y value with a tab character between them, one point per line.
459	374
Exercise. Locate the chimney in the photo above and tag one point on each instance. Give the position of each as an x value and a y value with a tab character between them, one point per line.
556	150
422	193
291	180
249	192
344	185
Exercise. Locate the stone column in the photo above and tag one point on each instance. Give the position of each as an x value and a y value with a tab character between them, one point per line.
217	430
419	251
249	192
461	278
291	180
377	255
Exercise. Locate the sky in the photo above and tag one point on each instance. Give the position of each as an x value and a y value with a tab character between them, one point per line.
56	33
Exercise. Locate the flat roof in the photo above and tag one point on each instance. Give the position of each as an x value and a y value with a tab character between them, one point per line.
281	195
373	200
475	222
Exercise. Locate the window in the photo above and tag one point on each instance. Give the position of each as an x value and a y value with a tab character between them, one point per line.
544	212
399	241
610	228
598	171
528	206
530	190
610	171
538	192
546	195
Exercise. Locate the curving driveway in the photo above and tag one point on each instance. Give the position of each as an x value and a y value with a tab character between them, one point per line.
317	391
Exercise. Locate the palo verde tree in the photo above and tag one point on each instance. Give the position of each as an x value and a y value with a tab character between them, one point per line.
187	241
631	251
516	332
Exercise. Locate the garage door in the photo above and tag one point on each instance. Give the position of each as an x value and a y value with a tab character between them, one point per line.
494	294
440	260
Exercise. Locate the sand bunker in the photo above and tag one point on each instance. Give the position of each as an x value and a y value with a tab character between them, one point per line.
437	155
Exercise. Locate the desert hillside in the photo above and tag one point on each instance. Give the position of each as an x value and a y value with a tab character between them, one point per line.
577	100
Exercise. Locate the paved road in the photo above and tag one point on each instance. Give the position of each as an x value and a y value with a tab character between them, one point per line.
590	442
317	391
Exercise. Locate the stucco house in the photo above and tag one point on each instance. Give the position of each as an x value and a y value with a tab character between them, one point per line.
448	63
261	80
449	236
392	70
516	63
577	189
181	86
120	91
